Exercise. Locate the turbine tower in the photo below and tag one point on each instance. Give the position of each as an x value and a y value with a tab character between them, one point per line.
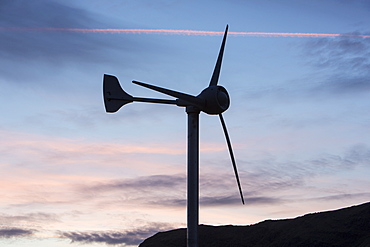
213	100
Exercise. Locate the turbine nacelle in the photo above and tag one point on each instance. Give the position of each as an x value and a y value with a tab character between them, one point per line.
216	100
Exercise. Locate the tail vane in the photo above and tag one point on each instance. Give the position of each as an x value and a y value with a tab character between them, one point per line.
114	96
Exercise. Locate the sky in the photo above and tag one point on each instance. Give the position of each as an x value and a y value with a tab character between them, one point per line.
73	175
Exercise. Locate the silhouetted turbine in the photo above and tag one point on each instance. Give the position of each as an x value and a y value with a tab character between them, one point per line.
213	100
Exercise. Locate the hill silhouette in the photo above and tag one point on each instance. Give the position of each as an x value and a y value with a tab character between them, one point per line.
347	227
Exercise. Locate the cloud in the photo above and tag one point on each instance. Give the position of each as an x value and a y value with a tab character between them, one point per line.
265	183
343	196
273	180
26	225
53	162
41	12
340	53
233	200
125	237
355	156
15	232
144	191
340	66
43	151
343	63
170	190
25	55
358	154
26	37
28	218
30	50
36	45
361	3
144	183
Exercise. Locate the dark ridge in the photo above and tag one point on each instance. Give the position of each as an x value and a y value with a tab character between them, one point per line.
347	227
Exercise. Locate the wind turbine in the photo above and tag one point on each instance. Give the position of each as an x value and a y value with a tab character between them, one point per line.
213	100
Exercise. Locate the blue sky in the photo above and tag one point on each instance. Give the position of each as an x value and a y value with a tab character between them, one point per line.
72	174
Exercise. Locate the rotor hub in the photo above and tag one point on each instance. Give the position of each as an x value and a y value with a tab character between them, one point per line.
216	100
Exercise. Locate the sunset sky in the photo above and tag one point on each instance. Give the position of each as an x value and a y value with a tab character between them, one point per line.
298	73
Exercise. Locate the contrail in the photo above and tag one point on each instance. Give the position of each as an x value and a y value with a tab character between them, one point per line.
182	32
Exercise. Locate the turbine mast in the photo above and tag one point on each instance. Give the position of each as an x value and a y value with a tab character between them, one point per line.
193	176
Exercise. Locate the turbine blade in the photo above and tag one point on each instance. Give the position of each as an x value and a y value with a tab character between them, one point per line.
232	156
216	71
192	100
